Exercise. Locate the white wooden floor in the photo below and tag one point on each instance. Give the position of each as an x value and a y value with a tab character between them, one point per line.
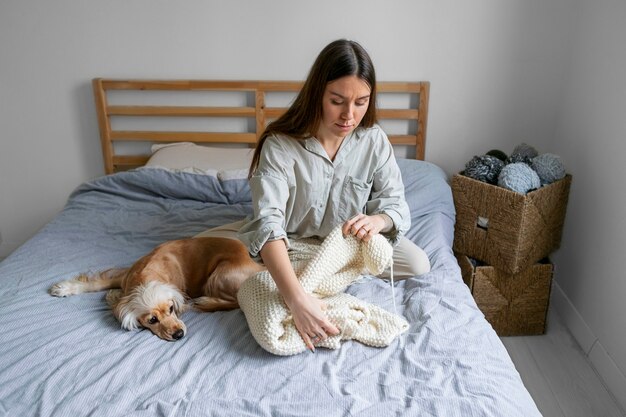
558	375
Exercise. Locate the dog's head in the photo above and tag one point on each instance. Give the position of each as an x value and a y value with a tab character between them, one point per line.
155	306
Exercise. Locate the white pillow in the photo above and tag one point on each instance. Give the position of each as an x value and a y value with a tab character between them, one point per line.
226	163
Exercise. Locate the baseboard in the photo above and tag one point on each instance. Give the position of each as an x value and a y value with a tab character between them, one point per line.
613	378
605	367
572	319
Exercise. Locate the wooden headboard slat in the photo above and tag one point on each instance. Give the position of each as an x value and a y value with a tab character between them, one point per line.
277	86
170	136
400	87
201	85
405	114
417	111
273	112
181	111
402	139
130	160
104	122
261	117
424	99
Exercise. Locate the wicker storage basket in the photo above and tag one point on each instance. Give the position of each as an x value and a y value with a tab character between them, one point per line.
508	230
514	304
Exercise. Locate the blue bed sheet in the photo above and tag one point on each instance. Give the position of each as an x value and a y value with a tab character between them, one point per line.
69	357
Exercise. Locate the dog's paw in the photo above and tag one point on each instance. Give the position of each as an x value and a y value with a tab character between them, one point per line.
64	288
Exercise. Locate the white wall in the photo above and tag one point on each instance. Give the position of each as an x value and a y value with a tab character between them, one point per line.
502	72
591	137
476	56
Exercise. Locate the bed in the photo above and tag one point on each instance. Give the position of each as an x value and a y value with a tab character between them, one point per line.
69	357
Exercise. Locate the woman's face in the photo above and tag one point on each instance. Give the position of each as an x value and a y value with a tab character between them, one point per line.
344	104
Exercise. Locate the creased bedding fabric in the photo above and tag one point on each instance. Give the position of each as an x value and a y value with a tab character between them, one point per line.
337	262
69	357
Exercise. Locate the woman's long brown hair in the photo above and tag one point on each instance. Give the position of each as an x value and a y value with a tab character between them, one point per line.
338	59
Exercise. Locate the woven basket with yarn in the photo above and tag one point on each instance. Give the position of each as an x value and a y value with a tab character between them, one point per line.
335	264
516	230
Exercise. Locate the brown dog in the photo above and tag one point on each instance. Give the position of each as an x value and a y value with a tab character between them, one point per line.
153	291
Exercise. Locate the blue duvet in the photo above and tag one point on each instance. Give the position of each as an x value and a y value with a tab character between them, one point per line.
69	357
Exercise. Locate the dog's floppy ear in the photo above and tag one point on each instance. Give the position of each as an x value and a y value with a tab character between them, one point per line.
180	303
123	311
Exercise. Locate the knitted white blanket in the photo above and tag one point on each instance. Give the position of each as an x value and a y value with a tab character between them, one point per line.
334	265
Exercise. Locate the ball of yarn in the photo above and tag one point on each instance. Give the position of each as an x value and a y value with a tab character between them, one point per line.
485	168
519	177
522	153
549	168
498	154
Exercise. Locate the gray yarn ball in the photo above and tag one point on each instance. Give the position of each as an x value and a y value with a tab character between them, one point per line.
519	177
522	153
549	168
484	168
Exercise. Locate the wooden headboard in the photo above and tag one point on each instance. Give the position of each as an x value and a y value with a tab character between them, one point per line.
255	109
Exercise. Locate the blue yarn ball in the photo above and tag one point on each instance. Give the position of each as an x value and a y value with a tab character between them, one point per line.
519	177
484	168
549	168
522	153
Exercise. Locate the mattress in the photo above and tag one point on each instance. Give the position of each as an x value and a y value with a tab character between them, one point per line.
69	357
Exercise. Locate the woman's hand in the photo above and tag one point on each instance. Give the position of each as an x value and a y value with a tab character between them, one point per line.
310	320
363	227
306	310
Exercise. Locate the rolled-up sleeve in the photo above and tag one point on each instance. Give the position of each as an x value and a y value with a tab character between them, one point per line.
269	186
388	194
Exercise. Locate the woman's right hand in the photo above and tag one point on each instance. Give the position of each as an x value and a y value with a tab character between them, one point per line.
309	318
306	310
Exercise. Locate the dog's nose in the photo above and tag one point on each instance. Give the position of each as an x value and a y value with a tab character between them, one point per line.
178	334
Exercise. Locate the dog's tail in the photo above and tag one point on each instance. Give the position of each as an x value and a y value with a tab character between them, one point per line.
208	304
100	281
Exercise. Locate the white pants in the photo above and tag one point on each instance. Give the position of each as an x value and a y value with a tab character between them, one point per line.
408	259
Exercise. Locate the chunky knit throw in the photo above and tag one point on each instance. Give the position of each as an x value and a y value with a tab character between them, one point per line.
333	265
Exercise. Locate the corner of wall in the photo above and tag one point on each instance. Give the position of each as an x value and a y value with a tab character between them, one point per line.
6	248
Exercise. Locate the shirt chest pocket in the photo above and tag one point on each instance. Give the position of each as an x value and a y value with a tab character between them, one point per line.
355	194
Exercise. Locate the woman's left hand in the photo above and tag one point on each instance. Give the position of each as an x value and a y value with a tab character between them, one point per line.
363	227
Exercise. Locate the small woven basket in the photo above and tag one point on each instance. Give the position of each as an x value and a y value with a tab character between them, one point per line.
514	304
505	229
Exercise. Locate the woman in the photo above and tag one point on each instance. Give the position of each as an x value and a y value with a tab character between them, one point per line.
322	164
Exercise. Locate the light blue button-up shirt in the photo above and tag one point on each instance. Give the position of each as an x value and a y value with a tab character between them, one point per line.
298	192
